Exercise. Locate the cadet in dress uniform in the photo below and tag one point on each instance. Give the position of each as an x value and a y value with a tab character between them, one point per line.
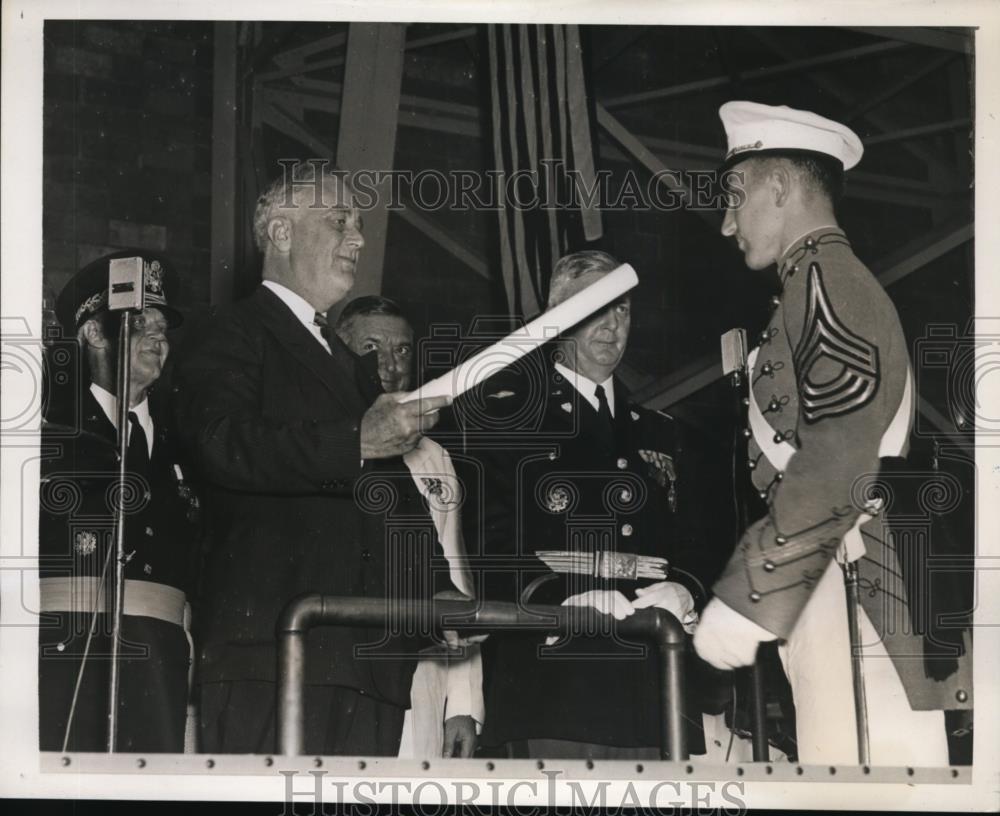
831	406
581	495
77	534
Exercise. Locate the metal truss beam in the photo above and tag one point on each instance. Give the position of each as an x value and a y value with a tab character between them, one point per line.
293	61
638	151
862	186
437	39
287	124
921	252
795	66
885	94
959	41
373	78
840	91
919	132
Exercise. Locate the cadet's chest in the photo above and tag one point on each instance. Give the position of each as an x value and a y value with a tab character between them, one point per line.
773	379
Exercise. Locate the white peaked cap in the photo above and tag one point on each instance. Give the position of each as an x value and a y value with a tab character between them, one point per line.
755	128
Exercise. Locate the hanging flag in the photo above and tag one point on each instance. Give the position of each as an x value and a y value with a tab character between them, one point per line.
542	145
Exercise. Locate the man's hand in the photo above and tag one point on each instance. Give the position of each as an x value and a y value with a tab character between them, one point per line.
726	639
459	736
391	428
605	601
671	596
455	641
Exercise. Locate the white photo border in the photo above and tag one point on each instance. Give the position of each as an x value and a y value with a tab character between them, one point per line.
26	773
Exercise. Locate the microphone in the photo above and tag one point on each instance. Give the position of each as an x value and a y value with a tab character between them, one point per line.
734	354
125	284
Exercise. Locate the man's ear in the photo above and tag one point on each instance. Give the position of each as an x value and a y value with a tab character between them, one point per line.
91	334
781	181
279	232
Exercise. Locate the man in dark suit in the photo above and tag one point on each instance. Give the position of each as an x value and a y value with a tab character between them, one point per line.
296	449
447	695
76	532
581	497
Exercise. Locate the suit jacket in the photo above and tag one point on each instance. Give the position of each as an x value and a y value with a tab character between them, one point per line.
273	422
829	378
555	481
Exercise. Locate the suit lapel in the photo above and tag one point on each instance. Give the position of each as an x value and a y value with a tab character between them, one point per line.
334	371
623	420
369	381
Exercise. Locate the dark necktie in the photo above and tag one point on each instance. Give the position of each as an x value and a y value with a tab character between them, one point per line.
138	446
319	319
604	417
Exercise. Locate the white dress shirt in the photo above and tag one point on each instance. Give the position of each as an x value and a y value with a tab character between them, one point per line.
301	308
587	388
109	404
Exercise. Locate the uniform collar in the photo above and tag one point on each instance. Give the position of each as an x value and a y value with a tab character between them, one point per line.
587	388
808	242
109	405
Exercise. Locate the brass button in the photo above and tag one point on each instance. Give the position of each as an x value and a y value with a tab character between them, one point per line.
755	596
775	300
752	464
773	405
746	402
763	494
768	566
622	463
747	433
552	456
625	495
779	476
781	541
767	368
961	695
149	531
626	529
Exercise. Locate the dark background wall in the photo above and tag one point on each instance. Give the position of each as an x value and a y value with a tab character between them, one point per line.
127	146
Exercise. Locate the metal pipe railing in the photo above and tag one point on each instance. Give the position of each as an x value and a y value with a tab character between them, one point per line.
657	626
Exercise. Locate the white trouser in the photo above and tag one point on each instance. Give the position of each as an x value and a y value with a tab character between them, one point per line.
817	661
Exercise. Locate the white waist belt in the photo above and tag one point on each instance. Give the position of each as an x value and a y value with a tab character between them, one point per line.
142	598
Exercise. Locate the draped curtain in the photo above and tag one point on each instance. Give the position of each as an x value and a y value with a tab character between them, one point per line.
544	150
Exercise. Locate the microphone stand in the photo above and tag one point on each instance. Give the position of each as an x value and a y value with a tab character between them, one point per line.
118	576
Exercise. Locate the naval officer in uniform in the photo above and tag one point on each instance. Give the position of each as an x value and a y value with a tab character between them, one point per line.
831	407
582	498
76	532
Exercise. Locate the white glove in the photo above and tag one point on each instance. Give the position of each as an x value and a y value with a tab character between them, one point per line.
672	597
726	639
605	601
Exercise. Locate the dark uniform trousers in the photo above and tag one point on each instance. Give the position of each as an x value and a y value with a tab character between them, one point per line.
76	529
273	422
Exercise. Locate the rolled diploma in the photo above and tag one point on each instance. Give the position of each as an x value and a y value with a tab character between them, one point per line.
543	328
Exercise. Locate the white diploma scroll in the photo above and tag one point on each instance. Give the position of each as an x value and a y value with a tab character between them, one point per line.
543	328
